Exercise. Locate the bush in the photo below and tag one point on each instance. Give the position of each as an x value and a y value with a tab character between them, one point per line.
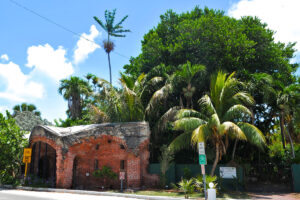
187	187
198	182
105	172
12	142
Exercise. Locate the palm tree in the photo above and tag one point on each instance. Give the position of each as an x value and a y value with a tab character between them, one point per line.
288	102
183	76
74	90
114	30
223	116
26	107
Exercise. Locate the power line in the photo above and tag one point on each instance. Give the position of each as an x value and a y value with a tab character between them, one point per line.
59	25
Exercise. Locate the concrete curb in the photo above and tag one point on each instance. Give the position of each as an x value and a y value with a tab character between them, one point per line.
114	194
92	193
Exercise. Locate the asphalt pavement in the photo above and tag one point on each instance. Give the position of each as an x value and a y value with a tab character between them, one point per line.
32	195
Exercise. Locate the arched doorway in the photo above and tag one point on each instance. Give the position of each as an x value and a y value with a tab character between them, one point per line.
43	165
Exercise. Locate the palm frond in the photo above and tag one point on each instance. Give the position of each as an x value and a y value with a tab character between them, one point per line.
169	116
159	97
190	113
244	98
188	124
253	134
200	134
206	103
233	130
237	111
183	141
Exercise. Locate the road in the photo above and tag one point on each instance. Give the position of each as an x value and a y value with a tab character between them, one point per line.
30	195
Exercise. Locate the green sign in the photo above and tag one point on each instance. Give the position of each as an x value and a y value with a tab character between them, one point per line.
202	159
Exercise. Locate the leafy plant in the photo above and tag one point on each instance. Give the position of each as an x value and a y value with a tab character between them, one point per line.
12	142
187	187
105	172
198	181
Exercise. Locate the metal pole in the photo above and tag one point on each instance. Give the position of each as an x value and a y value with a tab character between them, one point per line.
121	185
204	184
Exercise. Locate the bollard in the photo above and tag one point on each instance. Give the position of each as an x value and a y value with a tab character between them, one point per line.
211	192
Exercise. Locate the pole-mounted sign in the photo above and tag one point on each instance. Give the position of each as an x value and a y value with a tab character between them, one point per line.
202	162
26	158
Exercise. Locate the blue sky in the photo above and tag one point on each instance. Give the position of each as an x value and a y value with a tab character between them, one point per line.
36	54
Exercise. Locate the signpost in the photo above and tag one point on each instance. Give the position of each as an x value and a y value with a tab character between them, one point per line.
26	159
122	177
202	162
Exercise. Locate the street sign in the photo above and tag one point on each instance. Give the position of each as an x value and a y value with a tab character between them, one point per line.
26	158
202	159
27	155
122	176
201	148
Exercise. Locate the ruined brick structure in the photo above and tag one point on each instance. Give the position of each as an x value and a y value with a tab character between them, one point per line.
68	156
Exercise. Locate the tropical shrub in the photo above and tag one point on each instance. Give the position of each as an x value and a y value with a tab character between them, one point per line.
198	181
187	187
12	142
105	173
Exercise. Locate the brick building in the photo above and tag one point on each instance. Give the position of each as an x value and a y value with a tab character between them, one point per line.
69	156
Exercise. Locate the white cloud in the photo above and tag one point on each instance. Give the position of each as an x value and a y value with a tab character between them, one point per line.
18	86
4	57
3	109
52	62
84	47
281	16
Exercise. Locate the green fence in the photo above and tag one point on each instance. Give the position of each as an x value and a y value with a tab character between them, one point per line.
176	172
296	177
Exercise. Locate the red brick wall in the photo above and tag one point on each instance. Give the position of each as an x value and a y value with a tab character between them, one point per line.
109	154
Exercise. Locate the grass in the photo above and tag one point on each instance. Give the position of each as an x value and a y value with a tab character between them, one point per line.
174	193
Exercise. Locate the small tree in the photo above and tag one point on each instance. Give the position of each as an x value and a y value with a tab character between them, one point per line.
165	161
12	142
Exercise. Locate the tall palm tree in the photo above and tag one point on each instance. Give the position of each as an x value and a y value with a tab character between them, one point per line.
114	30
223	117
26	107
288	102
74	90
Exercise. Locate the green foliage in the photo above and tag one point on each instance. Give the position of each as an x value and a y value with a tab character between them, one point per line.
165	160
12	142
225	114
26	107
198	181
187	187
105	173
75	90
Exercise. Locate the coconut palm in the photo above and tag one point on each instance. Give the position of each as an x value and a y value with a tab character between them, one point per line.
74	90
223	116
114	30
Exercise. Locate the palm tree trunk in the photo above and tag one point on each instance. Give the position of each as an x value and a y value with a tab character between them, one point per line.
108	54
212	172
234	148
282	130
292	145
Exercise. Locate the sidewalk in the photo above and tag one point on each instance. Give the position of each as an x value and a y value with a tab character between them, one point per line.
86	192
